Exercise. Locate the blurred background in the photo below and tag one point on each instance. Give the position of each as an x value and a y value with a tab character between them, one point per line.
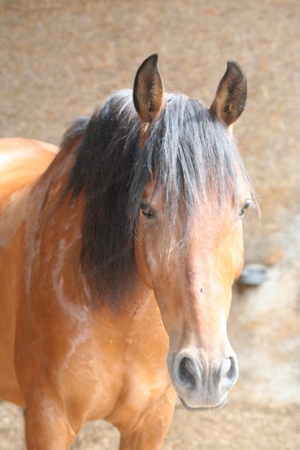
60	59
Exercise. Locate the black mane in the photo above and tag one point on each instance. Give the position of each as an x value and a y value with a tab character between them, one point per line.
193	158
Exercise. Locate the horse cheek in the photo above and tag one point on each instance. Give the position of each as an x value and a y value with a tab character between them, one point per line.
141	260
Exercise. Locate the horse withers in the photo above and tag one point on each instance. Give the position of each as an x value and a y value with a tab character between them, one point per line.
117	257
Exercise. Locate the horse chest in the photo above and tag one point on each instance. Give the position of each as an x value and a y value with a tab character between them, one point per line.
130	370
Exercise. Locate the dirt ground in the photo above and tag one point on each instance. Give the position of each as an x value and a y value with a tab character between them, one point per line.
238	426
57	62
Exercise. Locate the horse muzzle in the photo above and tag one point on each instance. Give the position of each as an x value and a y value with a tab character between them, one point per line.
201	385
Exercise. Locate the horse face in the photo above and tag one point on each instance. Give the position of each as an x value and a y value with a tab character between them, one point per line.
192	280
191	270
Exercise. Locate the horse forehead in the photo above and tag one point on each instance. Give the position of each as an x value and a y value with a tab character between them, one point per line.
212	225
150	192
154	193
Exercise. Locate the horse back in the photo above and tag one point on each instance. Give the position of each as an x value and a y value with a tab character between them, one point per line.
22	161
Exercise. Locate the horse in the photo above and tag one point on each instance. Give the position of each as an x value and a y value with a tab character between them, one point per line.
118	252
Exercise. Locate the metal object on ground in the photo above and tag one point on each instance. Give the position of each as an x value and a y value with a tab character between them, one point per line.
253	275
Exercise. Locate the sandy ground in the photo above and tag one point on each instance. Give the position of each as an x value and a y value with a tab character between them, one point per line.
57	62
235	427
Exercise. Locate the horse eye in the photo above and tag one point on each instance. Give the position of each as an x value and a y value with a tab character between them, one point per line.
245	207
148	212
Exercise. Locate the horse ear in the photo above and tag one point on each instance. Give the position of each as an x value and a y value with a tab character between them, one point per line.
231	94
148	92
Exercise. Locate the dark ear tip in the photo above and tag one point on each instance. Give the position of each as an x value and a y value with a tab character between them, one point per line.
234	66
151	60
232	62
154	56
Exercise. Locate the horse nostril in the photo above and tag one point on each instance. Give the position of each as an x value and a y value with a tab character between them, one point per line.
189	373
226	367
233	371
228	373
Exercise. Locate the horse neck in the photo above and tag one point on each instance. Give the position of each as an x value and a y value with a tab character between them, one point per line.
48	191
56	221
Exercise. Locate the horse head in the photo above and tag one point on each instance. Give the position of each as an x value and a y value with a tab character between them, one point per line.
189	242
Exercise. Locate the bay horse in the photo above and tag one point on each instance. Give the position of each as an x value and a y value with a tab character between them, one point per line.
118	255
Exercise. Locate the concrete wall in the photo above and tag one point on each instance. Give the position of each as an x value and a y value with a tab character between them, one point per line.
58	62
